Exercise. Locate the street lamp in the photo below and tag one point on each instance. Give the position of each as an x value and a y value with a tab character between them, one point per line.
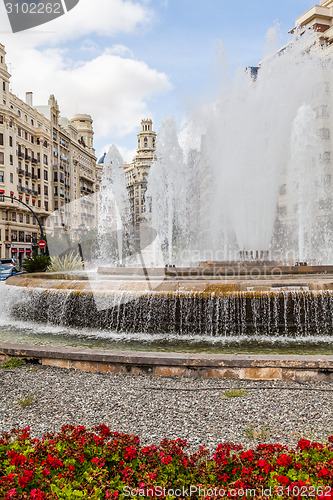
11	197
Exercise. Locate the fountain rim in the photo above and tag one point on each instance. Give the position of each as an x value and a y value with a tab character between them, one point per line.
231	366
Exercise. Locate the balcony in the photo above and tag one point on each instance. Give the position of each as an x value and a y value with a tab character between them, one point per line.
20	155
20	171
27	158
34	176
20	189
34	193
27	174
34	161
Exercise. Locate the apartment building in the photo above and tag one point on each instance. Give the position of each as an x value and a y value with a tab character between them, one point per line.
25	153
46	163
317	178
74	170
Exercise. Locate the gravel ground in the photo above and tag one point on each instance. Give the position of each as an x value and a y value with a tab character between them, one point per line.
126	404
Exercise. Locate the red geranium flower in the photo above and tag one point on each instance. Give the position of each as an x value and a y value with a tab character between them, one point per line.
130	453
282	479
323	472
304	444
37	495
284	460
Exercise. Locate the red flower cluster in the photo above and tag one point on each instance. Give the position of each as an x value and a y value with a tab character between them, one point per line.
100	464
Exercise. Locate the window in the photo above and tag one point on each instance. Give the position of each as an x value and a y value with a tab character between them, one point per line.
1	119
11	159
283	189
4	86
10	141
14	216
21	219
326	157
2	158
1	139
324	133
282	211
2	176
27	219
45	175
26	135
46	191
11	178
45	160
19	133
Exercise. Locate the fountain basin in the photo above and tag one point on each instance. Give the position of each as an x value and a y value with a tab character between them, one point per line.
160	302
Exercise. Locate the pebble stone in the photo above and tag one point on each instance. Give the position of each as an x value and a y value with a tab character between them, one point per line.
128	404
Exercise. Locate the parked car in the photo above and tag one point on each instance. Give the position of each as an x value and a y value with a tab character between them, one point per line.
7	271
7	262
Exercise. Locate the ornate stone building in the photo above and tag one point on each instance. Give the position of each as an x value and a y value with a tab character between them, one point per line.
136	173
45	161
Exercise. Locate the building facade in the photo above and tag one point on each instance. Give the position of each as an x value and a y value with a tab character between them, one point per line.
46	162
136	173
318	19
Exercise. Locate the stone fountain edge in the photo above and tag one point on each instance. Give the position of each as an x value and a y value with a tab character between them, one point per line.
172	364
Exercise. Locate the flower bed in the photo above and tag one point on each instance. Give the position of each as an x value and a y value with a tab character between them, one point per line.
98	464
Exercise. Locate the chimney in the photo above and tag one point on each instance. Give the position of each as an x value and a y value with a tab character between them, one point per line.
28	98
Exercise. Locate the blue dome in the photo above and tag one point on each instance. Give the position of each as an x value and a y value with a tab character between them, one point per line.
101	160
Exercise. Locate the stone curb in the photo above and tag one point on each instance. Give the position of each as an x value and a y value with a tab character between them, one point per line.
252	367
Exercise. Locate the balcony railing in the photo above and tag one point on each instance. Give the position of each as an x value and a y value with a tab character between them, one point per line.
34	161
20	154
28	174
20	171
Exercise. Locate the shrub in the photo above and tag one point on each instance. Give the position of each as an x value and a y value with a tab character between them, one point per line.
69	262
36	264
98	464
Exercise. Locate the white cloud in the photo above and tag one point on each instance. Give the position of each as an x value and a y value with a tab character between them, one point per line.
113	89
89	45
102	17
120	50
111	85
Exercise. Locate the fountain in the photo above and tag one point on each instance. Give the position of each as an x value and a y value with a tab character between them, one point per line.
230	222
113	208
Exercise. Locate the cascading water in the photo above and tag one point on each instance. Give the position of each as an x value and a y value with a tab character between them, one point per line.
259	137
167	191
304	177
113	209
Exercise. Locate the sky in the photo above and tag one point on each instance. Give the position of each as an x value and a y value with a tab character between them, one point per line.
124	60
